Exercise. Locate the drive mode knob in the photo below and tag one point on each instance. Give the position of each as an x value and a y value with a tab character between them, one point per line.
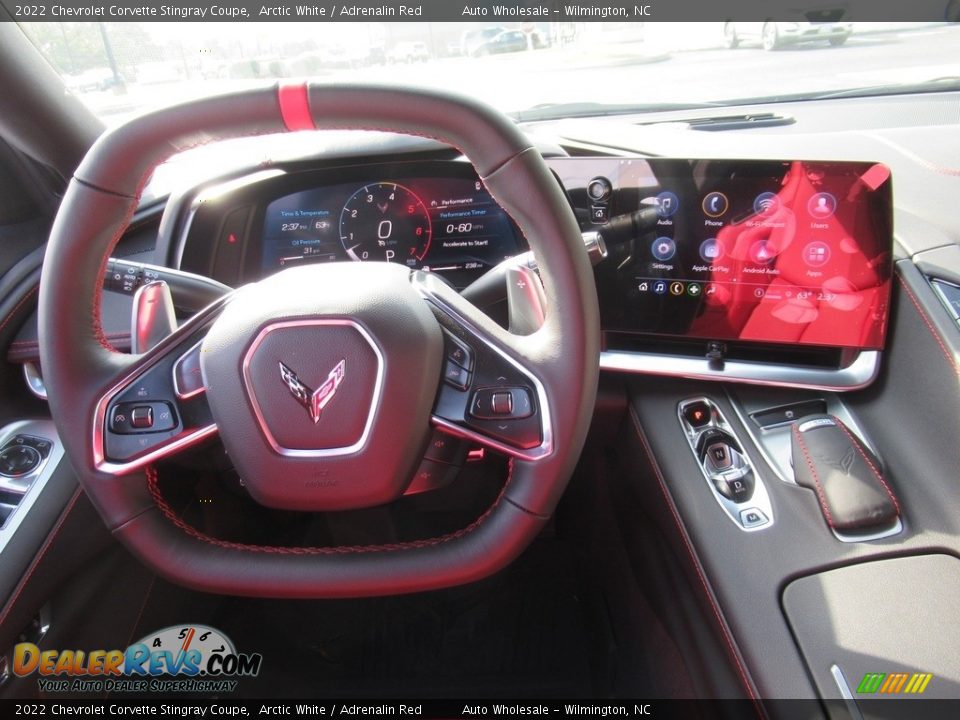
18	460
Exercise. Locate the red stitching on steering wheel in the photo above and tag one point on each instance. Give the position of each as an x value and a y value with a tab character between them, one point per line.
171	515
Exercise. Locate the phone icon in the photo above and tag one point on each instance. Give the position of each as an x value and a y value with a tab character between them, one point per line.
715	204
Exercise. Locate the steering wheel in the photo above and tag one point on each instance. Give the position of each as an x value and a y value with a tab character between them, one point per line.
324	382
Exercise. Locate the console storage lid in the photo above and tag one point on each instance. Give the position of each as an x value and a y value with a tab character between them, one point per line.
885	617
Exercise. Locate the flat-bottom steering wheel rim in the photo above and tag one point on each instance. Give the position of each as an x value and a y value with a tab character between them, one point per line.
80	367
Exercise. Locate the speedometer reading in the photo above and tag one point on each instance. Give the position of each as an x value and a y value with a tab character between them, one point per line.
385	221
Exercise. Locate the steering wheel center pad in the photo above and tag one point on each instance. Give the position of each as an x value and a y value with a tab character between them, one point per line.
339	367
80	367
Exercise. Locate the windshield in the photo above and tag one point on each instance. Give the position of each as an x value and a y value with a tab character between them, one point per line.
556	69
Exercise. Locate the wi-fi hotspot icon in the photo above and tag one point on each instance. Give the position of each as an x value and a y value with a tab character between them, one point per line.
766	203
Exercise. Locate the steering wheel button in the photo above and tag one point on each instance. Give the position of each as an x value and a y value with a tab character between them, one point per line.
497	403
456	376
502	403
133	418
445	448
141	417
458	352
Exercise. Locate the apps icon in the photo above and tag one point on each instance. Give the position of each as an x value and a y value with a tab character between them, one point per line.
660	287
715	204
766	203
663	248
816	254
711	250
667	204
822	206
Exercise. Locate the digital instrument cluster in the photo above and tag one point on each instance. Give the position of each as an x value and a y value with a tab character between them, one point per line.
449	225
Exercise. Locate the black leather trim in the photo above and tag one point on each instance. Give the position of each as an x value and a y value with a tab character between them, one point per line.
831	461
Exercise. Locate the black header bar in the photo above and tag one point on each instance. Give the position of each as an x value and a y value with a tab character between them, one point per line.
465	10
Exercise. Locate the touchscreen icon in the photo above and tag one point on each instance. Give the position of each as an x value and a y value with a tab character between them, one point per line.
660	287
816	254
676	288
715	204
693	290
822	206
711	249
766	203
663	248
762	252
644	286
667	204
716	294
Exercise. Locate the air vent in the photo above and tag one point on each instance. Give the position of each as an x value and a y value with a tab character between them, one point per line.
740	122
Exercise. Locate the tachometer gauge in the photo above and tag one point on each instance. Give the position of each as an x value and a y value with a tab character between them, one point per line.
385	221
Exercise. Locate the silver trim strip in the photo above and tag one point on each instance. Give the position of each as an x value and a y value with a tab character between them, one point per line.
176	386
374	403
181	442
894	529
819	422
860	373
34	380
545	448
845	692
40	476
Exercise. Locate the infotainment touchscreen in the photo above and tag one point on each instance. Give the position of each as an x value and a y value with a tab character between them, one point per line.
774	252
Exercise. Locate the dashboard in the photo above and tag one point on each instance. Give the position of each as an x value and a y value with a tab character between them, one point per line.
434	216
711	263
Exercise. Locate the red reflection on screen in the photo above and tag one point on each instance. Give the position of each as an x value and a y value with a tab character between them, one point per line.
807	266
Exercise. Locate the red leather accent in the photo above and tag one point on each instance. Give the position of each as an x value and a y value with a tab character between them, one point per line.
295	106
171	515
695	561
816	478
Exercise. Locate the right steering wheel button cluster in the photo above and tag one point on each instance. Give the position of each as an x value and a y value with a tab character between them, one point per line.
500	402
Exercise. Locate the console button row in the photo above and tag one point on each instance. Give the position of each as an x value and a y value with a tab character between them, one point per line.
731	477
